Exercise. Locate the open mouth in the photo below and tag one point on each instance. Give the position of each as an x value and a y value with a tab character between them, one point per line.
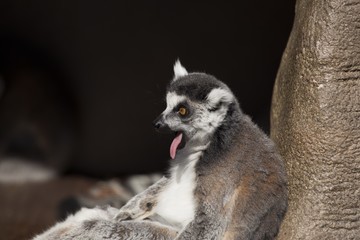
177	144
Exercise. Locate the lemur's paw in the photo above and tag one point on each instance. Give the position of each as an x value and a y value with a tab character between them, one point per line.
123	216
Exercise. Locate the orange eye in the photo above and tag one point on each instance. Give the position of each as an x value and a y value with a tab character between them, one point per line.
182	111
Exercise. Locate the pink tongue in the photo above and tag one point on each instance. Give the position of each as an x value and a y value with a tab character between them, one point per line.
174	145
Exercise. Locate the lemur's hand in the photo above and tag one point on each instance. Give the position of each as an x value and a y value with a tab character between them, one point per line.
137	208
142	205
123	216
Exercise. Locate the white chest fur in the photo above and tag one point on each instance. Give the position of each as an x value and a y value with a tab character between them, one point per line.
176	202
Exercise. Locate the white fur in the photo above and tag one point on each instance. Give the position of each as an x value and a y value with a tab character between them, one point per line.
179	70
176	203
218	94
172	99
211	120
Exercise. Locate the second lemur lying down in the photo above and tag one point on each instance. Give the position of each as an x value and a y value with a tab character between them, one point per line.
226	180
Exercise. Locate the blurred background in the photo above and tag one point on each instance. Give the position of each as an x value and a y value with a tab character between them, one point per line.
111	62
81	81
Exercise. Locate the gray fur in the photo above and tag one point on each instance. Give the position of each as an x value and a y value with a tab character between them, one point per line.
100	224
240	187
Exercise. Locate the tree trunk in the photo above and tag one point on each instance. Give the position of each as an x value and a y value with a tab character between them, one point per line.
316	120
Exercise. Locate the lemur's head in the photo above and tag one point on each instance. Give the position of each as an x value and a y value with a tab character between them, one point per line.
197	104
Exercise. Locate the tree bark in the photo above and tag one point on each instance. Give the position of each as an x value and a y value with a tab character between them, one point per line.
315	120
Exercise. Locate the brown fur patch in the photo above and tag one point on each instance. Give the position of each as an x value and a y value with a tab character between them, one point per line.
241	191
229	235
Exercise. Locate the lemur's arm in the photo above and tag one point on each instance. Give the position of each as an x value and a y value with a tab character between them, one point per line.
141	206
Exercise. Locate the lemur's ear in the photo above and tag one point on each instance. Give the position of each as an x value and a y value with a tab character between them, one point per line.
219	96
179	70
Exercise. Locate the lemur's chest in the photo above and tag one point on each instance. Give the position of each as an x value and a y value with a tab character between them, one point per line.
177	202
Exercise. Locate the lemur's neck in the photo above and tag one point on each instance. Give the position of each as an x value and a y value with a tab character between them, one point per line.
187	157
192	151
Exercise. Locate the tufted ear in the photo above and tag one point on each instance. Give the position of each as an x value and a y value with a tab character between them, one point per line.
179	70
219	96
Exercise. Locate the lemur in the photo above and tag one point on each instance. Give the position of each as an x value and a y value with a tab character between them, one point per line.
226	179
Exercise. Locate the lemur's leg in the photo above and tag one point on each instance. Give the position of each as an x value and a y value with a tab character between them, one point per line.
127	230
141	206
130	230
99	224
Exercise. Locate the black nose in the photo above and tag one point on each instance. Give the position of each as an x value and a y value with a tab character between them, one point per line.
160	126
158	122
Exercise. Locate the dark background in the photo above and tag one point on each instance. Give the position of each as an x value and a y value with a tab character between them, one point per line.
116	57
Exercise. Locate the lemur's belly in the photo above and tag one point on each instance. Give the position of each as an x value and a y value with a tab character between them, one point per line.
177	203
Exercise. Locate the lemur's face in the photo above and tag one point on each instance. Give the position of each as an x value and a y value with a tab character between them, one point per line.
196	105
